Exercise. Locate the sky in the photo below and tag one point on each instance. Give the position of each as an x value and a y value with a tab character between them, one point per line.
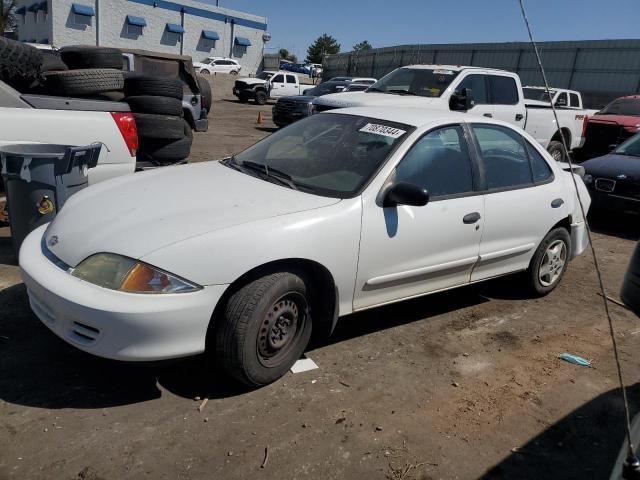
294	24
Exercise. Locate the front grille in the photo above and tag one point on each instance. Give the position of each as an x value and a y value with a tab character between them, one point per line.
240	85
600	137
605	185
286	106
628	190
324	108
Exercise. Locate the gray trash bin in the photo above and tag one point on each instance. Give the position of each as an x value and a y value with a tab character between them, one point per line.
39	178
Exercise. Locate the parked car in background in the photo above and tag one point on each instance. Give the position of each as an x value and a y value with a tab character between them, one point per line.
419	202
291	108
486	92
612	125
613	180
366	80
267	85
218	65
309	69
562	98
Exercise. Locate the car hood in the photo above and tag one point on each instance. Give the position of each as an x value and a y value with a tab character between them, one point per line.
612	165
365	99
251	80
137	214
624	120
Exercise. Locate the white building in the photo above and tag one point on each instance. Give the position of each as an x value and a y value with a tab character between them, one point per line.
185	27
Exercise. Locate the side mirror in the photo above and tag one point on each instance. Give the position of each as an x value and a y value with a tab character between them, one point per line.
462	101
403	193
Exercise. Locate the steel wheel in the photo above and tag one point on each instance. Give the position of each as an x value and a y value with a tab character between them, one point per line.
557	155
552	263
281	328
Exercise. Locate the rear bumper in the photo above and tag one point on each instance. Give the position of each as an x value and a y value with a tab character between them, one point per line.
113	324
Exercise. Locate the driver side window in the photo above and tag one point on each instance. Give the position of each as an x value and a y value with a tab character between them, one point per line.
478	88
278	79
439	162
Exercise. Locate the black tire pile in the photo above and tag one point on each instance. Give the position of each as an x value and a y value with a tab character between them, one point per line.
165	136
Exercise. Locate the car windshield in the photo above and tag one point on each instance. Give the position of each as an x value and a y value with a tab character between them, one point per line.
264	75
622	106
538	94
329	154
415	81
631	147
324	88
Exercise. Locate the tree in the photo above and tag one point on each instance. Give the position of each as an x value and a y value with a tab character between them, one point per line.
364	45
285	55
324	45
7	18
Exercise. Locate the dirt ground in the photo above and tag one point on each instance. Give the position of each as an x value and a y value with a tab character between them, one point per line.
459	385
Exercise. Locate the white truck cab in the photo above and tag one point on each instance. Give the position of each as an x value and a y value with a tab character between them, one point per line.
487	92
265	85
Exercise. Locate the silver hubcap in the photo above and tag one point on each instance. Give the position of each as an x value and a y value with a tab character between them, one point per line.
552	264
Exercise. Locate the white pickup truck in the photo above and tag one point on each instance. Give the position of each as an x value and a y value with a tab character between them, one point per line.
29	118
267	85
482	91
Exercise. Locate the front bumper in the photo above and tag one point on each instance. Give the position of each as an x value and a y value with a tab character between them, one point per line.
113	324
285	118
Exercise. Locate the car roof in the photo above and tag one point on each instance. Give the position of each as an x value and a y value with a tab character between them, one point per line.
415	116
455	68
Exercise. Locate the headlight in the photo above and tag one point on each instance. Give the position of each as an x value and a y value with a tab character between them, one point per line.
116	272
587	179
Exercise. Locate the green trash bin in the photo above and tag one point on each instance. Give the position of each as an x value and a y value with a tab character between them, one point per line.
38	179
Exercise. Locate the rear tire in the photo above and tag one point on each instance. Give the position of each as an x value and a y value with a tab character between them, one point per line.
550	262
261	98
205	92
84	56
557	151
264	330
234	72
20	64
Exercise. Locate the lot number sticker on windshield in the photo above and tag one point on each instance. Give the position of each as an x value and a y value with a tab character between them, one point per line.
383	130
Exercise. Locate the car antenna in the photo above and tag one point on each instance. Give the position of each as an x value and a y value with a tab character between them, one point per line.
631	468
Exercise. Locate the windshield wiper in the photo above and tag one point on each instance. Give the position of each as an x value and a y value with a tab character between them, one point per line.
401	92
279	175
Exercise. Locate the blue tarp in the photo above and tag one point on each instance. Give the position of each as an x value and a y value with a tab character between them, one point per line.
175	28
86	10
137	21
210	35
243	42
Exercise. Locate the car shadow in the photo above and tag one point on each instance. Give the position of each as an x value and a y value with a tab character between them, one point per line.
267	129
38	369
584	444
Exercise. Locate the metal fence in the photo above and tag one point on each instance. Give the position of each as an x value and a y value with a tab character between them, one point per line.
600	69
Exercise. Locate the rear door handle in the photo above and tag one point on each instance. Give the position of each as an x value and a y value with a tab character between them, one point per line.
519	117
471	218
557	203
488	115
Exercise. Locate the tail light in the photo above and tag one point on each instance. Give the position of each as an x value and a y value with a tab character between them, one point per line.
585	122
127	126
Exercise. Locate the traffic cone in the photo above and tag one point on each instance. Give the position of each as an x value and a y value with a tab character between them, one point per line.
259	121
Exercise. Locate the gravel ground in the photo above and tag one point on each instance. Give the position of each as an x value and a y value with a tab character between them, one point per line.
464	384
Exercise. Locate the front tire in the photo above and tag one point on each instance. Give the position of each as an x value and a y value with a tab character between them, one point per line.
261	98
557	151
264	330
550	261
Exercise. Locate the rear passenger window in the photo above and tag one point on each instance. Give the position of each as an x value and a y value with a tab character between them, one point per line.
505	159
439	162
291	79
539	166
575	101
478	88
504	90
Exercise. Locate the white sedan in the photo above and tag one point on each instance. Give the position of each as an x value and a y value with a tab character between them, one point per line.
339	212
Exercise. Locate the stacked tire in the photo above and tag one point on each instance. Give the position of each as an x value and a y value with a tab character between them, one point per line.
165	137
20	64
83	71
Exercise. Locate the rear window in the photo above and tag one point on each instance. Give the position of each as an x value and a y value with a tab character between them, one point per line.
504	90
575	100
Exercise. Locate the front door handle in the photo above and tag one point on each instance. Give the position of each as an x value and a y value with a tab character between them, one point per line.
488	115
471	218
519	117
557	203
